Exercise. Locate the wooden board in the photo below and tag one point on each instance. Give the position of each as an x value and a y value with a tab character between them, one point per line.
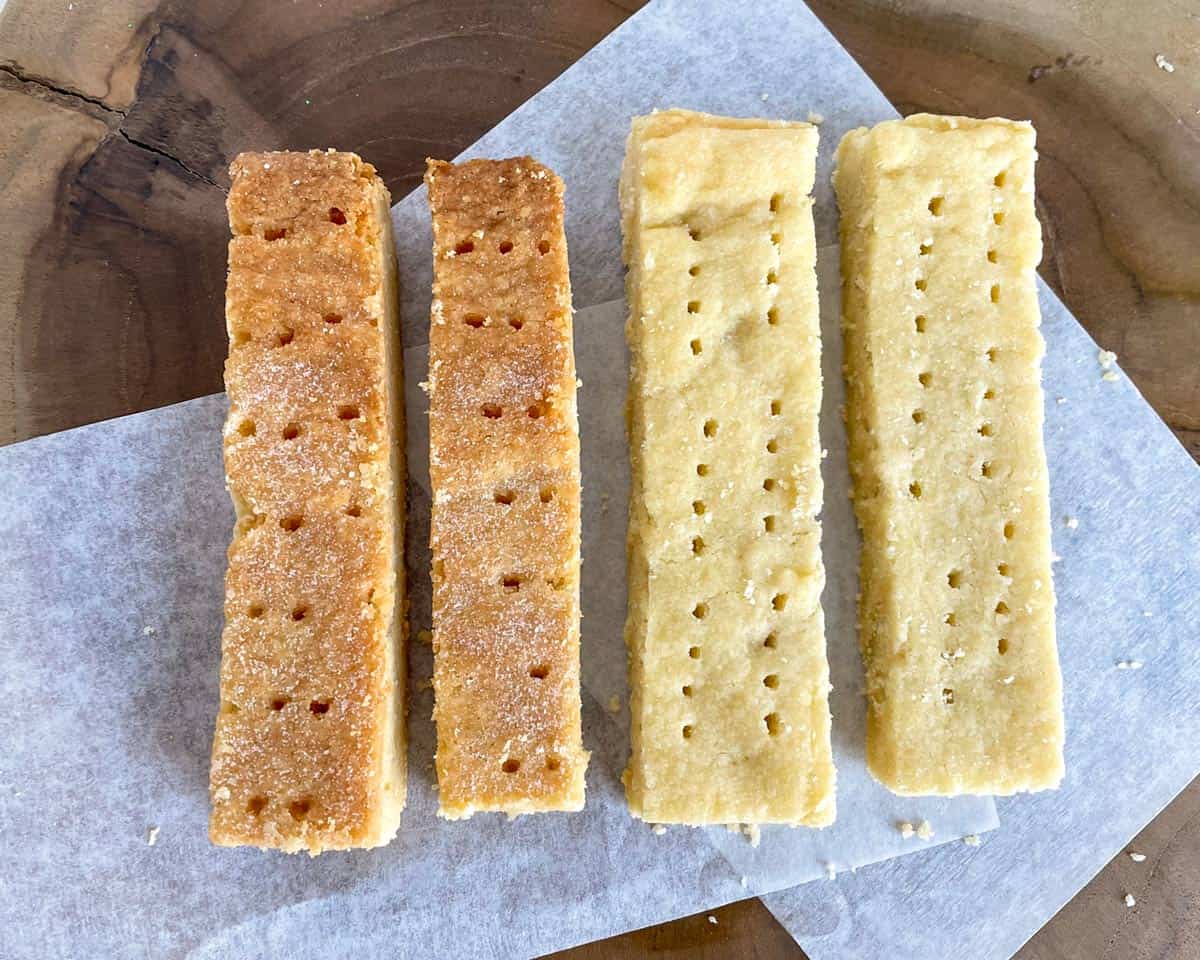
117	121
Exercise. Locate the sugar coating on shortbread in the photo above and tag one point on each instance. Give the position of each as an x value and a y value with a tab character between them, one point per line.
504	470
309	748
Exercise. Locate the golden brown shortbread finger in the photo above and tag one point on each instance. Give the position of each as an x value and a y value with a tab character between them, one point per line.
504	469
309	748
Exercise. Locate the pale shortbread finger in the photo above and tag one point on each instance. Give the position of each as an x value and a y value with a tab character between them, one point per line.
309	752
944	413
728	675
504	469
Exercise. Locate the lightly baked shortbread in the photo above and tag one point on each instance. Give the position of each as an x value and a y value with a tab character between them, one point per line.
940	243
728	675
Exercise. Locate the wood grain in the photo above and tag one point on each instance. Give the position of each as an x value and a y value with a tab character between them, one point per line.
117	121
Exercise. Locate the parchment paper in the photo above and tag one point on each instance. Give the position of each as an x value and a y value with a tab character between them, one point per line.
114	540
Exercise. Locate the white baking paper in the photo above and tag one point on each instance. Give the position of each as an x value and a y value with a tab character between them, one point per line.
113	538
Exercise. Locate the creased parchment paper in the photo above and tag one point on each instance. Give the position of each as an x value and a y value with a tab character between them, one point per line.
113	540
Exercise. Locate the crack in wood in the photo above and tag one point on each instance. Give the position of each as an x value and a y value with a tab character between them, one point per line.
58	93
76	100
166	156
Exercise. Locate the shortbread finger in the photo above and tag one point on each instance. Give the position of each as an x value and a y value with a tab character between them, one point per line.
944	413
728	674
504	469
309	752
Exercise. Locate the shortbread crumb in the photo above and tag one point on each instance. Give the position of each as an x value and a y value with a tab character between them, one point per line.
972	840
1137	857
925	830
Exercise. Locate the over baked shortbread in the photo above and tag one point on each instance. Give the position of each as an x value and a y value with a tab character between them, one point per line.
504	469
309	748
